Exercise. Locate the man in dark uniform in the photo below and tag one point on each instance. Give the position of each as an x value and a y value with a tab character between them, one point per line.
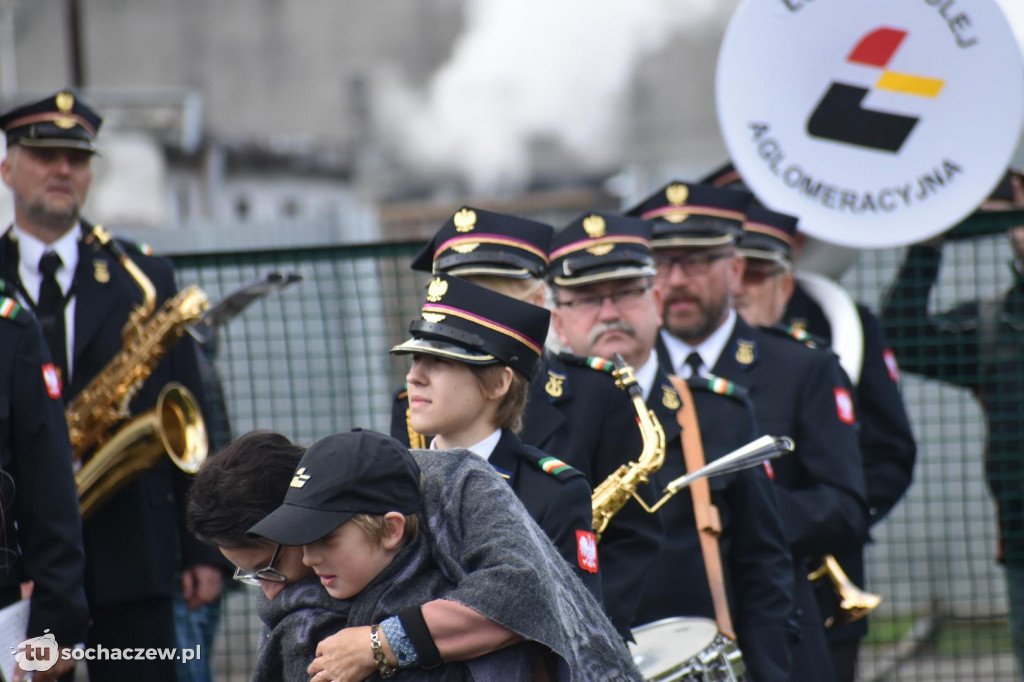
135	543
41	532
601	270
768	296
978	345
464	324
572	412
796	391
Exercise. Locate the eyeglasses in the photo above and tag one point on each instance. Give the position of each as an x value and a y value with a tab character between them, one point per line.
591	303
268	573
692	264
759	275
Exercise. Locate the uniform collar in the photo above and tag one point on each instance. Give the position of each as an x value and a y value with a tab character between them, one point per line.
647	374
31	249
483	449
710	349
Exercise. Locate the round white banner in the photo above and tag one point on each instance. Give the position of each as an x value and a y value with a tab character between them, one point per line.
878	123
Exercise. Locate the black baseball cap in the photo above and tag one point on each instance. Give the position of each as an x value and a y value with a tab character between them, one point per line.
358	472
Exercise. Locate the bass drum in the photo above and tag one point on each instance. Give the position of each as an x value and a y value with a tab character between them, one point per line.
687	649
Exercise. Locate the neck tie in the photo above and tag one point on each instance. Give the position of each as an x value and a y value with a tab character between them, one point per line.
695	364
50	310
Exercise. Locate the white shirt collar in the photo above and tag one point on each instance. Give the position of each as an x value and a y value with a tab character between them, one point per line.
645	375
710	349
31	251
483	449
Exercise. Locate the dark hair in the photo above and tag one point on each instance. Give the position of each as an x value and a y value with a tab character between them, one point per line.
239	486
513	403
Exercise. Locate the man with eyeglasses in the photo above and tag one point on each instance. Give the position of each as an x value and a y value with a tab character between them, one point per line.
601	274
795	390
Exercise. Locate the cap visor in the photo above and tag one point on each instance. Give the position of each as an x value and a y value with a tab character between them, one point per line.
443	350
494	270
292	525
58	143
606	276
696	241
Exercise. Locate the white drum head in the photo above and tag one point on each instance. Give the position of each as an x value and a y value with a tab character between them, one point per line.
665	645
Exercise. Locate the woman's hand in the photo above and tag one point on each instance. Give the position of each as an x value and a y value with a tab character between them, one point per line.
346	656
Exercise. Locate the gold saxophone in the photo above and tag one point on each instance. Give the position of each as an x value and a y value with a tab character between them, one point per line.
174	426
615	491
852	603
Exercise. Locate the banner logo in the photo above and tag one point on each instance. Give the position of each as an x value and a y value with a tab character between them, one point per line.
841	115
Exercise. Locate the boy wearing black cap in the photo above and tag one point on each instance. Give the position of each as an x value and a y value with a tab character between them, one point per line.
441	528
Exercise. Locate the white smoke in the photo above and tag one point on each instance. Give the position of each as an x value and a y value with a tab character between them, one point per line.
529	69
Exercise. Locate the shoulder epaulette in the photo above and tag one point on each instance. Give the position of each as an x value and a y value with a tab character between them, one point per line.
550	465
11	310
796	334
140	247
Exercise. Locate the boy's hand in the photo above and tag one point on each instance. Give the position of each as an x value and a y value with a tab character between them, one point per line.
346	656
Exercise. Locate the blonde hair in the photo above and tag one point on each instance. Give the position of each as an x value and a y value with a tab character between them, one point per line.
509	414
520	289
375	526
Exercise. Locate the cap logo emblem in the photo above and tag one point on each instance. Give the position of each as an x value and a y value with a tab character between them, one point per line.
601	249
465	248
677	194
555	385
65	102
670	399
432	317
744	352
100	271
300	478
465	220
594	226
436	290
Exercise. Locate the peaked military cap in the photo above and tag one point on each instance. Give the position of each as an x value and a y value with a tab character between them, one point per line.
767	235
597	247
61	120
689	214
478	242
477	326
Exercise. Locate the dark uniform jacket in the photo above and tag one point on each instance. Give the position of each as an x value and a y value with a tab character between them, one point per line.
886	441
978	345
755	558
37	486
799	392
137	541
558	501
578	415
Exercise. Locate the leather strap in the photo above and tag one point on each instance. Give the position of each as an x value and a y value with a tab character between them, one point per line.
709	523
416	630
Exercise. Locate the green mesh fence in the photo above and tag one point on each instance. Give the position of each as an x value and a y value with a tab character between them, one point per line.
313	360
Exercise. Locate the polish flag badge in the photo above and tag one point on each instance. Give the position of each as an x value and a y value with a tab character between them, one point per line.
586	550
844	405
51	377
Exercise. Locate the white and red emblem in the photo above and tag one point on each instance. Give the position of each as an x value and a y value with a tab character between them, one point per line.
891	365
51	376
586	550
844	405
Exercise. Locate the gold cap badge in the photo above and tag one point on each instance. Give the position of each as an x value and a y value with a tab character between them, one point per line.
65	102
436	290
433	317
465	220
594	226
300	478
601	249
466	248
677	194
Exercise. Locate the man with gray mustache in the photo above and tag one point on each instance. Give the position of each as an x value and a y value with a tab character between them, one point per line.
601	274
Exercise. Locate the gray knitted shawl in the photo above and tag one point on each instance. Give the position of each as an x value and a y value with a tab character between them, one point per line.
478	547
